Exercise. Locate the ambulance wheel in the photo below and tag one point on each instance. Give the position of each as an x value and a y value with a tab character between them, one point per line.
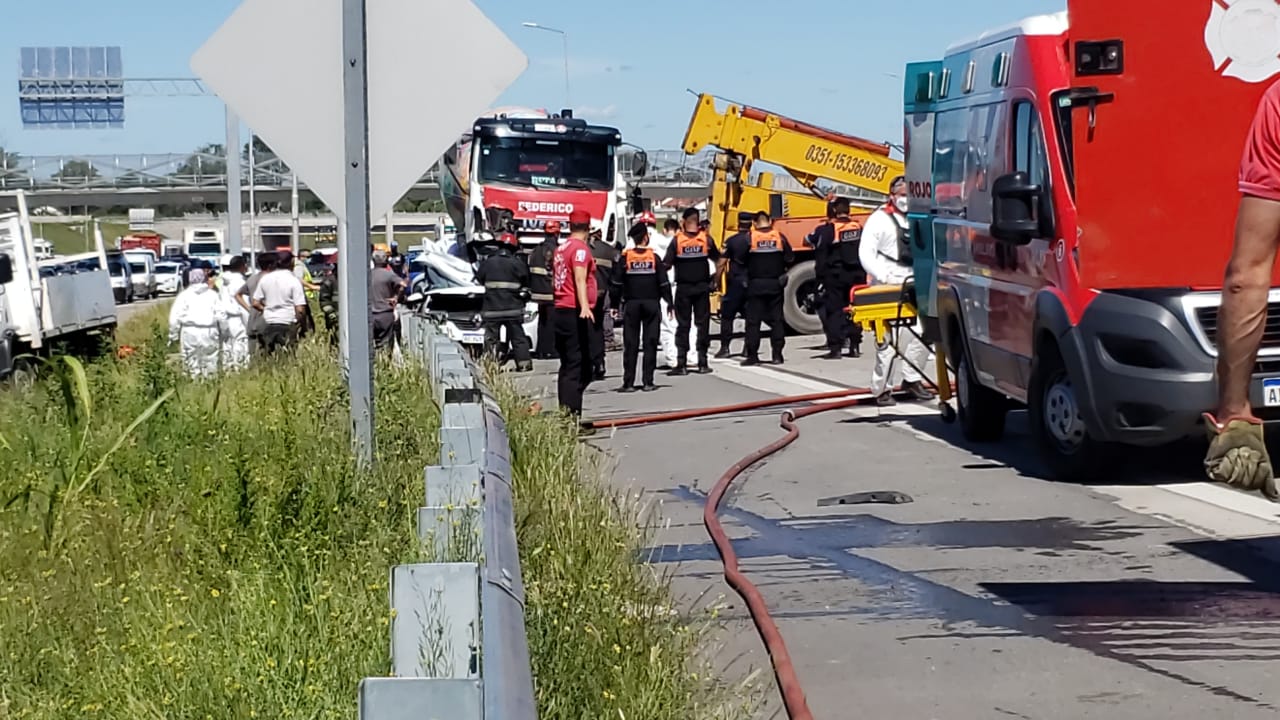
982	410
800	300
1053	407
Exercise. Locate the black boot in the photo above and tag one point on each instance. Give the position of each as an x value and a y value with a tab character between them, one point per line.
681	368
777	357
833	353
627	388
649	387
750	360
723	352
885	399
855	350
704	367
600	373
524	367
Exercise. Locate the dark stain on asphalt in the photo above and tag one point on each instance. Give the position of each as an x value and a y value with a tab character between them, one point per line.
899	594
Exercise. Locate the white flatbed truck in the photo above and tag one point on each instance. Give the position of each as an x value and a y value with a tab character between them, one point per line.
43	312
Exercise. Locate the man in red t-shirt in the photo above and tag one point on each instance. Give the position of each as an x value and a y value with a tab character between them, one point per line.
1237	449
573	282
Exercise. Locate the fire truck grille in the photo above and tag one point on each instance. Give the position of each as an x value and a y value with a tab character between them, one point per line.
1208	319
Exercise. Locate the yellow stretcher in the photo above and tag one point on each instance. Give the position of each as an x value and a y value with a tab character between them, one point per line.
880	309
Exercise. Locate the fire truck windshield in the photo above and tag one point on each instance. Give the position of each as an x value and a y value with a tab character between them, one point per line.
549	163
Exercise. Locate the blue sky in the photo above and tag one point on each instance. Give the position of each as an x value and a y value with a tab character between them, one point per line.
630	64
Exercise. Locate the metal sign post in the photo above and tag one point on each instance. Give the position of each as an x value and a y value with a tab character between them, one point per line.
234	197
354	264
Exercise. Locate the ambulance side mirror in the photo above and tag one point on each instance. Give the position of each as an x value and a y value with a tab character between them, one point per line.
1016	202
6	269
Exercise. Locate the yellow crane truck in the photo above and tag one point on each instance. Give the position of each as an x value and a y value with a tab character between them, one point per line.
743	136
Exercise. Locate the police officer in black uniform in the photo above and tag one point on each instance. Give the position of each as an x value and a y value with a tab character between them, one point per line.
734	265
505	278
640	282
768	254
605	254
689	253
541	291
836	257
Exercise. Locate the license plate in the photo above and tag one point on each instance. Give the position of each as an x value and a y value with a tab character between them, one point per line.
477	338
1271	392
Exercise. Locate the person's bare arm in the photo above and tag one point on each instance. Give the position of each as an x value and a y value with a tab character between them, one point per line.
1243	315
580	283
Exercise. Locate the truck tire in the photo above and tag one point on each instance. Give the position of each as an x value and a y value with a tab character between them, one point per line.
800	298
982	411
1063	441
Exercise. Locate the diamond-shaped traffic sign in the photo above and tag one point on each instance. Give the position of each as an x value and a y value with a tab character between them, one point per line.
278	64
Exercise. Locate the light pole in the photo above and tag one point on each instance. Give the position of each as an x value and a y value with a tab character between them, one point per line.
565	38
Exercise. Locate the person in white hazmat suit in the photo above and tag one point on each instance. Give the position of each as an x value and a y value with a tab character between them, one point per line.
195	322
885	254
235	331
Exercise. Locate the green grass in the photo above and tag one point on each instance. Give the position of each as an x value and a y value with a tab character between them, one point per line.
69	239
208	550
227	561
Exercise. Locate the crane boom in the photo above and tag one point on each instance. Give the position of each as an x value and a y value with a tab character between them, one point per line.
807	152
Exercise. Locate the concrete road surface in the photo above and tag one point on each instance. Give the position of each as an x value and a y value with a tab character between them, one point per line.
994	593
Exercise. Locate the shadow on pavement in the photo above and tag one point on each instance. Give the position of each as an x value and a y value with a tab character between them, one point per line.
1154	626
1179	462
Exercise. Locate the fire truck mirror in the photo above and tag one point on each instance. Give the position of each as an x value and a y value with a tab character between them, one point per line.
1014	213
639	163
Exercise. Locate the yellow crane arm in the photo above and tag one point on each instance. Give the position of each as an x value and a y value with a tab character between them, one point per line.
805	151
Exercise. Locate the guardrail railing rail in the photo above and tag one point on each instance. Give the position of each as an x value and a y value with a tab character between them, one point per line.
459	650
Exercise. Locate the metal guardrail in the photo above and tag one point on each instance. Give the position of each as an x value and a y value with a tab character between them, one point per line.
459	650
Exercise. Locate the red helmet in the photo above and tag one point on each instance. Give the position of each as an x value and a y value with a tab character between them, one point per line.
647	217
507	238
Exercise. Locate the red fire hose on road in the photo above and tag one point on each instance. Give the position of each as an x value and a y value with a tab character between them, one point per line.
793	697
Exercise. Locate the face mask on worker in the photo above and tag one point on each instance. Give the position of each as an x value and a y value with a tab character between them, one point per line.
900	202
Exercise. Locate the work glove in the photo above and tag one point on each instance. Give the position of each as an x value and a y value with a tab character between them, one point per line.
1238	455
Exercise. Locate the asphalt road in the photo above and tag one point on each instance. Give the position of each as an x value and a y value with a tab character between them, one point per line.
124	312
993	594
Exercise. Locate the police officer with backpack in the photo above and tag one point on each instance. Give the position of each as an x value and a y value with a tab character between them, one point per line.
505	278
766	257
640	282
836	246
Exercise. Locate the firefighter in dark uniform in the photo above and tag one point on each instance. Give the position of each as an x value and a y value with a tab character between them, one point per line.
768	254
328	297
540	289
836	255
640	282
691	251
505	278
605	253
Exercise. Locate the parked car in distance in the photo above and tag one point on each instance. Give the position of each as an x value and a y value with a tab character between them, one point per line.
121	279
168	278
